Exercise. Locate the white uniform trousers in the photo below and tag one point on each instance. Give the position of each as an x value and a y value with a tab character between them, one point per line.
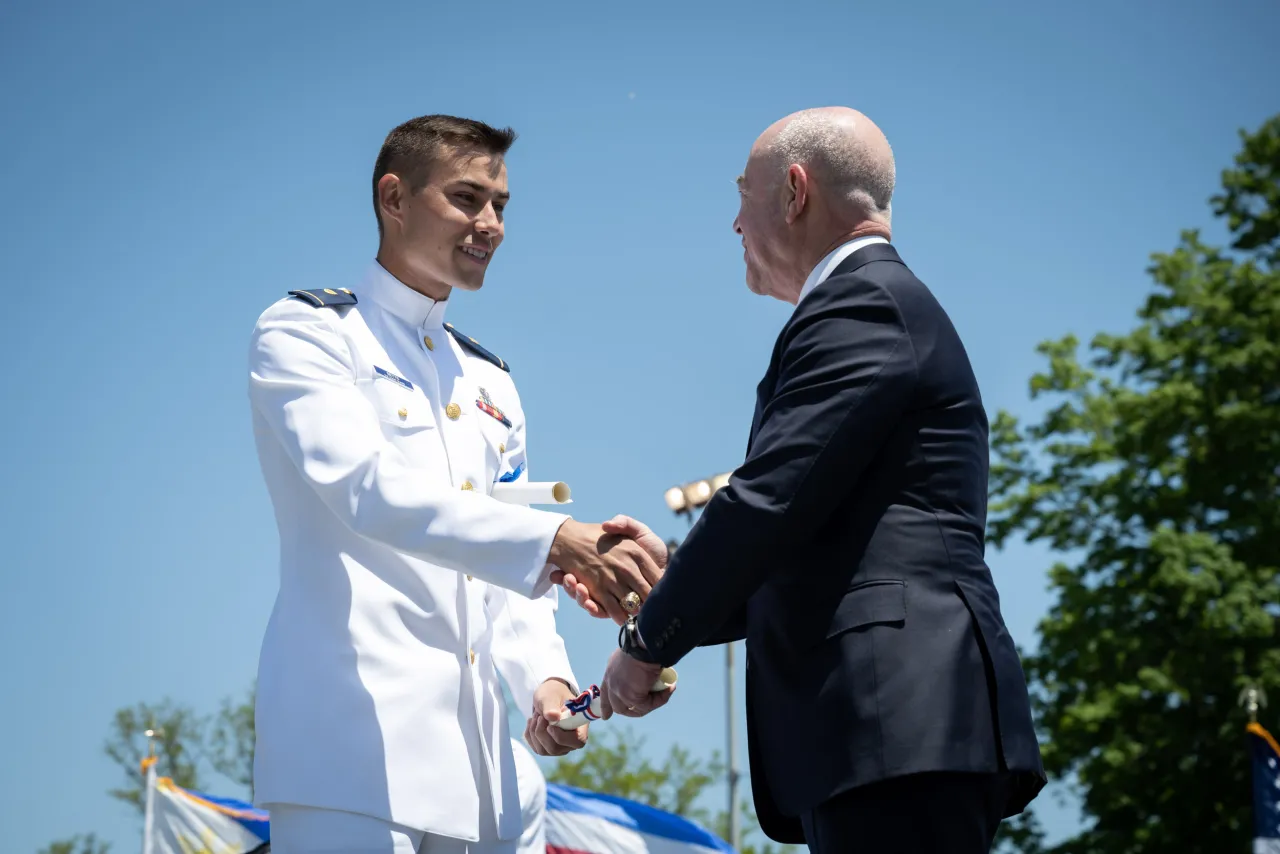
307	830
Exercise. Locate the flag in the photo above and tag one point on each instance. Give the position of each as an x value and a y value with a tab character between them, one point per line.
582	822
1266	790
183	821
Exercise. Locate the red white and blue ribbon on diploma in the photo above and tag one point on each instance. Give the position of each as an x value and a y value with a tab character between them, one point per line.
581	704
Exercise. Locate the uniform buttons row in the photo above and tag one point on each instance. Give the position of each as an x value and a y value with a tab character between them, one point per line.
467	487
453	411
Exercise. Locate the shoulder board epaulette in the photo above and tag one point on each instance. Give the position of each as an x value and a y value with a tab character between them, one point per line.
474	346
326	297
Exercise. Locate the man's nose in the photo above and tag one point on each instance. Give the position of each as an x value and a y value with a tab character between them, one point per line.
488	221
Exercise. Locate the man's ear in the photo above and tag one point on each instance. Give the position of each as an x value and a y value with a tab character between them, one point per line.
796	192
392	197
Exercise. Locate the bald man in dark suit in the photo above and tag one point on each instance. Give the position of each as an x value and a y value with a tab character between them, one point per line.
887	707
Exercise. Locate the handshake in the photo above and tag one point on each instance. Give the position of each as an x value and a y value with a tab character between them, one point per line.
608	569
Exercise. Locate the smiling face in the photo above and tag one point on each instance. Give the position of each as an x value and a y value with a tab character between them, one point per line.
444	233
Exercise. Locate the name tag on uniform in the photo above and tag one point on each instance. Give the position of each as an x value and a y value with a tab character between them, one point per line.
383	373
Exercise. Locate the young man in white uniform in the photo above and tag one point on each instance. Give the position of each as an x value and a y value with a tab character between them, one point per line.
405	589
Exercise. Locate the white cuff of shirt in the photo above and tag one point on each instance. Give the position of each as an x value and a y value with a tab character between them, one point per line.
538	580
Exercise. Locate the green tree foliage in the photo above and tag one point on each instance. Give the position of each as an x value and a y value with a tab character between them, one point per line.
1021	834
1155	469
186	744
77	845
1250	198
612	763
179	746
231	741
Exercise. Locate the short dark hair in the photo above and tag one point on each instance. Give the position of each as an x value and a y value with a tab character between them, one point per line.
411	149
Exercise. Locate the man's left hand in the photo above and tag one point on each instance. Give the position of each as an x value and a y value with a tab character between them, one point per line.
626	687
541	733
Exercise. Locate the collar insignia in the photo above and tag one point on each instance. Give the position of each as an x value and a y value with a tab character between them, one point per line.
325	297
474	346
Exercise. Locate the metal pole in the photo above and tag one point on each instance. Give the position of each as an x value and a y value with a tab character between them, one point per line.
731	729
735	833
1253	698
149	765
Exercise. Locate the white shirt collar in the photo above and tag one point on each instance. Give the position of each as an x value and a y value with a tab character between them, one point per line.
404	302
834	258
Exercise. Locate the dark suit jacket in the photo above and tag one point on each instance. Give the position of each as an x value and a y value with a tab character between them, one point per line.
848	549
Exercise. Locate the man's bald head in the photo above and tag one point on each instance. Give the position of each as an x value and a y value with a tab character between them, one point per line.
813	181
843	150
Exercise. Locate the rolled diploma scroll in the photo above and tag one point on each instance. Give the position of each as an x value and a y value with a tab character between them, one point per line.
585	707
532	493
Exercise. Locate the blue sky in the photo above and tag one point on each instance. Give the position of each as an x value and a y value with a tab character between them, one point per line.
168	170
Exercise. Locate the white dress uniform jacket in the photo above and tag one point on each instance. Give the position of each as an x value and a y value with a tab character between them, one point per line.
404	587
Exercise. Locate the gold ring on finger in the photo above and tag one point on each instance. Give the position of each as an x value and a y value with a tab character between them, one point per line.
631	603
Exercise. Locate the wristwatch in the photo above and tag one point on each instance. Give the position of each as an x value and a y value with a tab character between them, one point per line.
629	643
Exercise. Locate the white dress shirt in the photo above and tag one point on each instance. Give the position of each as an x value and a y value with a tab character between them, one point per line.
832	260
404	587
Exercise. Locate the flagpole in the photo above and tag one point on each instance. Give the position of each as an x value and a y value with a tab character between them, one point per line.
1251	698
149	767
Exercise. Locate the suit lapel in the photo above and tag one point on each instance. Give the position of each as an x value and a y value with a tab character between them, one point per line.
764	391
768	385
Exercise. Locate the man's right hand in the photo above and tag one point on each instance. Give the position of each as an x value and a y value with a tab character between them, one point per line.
631	529
608	566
